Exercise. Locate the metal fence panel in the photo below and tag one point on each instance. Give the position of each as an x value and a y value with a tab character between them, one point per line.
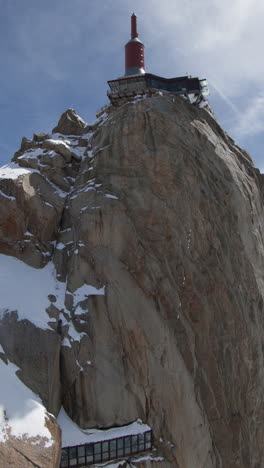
87	454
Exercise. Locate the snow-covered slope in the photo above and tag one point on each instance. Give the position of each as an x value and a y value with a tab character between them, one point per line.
21	413
28	433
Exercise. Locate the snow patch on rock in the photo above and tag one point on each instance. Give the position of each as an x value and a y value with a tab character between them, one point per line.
21	412
85	291
73	435
25	289
13	171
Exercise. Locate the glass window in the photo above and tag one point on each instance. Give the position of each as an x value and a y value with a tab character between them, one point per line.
120	443
72	452
64	454
105	450
89	449
105	447
134	443
127	445
120	452
127	442
112	444
97	448
148	436
81	451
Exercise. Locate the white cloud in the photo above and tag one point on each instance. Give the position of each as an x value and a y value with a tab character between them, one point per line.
217	40
251	119
224	23
58	44
221	38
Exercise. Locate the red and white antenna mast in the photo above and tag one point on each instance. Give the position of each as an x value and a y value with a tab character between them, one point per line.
134	52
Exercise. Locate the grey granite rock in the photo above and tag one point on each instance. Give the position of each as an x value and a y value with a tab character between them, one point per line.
165	215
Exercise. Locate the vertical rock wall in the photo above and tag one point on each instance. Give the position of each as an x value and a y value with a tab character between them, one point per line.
159	244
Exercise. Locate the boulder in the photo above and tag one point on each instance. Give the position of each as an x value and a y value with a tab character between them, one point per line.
29	203
59	147
71	124
27	144
39	137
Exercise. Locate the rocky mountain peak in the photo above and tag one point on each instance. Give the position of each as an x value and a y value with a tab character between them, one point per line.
71	124
139	243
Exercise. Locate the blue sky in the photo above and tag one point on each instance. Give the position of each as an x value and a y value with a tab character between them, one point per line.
57	54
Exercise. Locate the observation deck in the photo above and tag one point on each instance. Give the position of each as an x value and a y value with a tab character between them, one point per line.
128	87
103	451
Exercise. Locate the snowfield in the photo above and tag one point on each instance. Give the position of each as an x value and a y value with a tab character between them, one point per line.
32	287
21	411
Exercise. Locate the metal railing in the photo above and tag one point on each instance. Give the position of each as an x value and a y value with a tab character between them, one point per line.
105	450
102	110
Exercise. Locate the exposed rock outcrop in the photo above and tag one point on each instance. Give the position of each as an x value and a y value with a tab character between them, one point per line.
71	124
31	452
29	347
157	313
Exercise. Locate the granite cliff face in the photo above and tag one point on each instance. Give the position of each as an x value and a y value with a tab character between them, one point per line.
144	233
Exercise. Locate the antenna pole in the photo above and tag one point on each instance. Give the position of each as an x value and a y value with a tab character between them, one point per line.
134	26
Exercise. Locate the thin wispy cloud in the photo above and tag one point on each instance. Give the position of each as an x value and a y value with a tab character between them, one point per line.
220	40
226	99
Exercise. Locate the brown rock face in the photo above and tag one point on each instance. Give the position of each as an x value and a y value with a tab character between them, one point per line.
159	240
177	337
26	453
71	124
29	347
